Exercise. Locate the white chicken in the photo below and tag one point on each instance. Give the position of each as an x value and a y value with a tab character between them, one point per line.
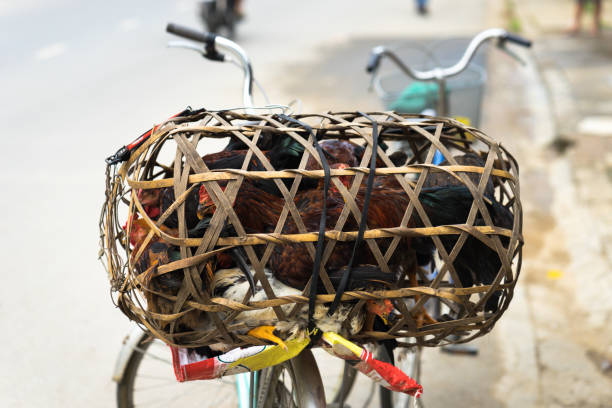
232	285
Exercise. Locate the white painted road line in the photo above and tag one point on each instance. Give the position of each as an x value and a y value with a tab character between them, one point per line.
50	51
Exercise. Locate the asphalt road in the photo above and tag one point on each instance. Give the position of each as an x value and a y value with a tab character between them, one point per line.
81	79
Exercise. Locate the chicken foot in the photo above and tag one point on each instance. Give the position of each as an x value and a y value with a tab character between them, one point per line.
422	316
267	333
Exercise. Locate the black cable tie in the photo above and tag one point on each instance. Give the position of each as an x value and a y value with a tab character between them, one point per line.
314	335
314	283
364	216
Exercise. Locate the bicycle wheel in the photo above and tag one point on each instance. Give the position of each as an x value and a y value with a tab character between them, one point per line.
349	375
149	381
293	384
276	387
339	377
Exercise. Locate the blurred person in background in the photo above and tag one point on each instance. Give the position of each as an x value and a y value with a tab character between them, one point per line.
422	6
580	5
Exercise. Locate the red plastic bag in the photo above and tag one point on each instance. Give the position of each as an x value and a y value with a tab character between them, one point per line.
385	374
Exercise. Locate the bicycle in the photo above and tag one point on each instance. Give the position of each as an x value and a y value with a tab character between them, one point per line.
437	100
274	385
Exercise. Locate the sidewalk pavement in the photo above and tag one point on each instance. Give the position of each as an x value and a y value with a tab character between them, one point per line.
577	71
558	117
555	17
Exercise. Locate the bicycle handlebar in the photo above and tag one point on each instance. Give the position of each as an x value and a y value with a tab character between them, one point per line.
212	42
190	33
442	73
517	39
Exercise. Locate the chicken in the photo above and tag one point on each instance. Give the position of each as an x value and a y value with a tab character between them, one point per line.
156	201
191	207
139	231
350	154
267	141
338	151
292	263
283	152
434	179
157	253
476	263
149	198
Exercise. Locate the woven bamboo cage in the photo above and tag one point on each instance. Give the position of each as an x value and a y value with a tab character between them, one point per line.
183	141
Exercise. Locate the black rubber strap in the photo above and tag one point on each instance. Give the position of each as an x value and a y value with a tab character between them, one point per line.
239	258
314	283
364	216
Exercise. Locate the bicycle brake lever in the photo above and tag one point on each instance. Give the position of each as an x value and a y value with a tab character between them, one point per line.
502	47
208	51
372	79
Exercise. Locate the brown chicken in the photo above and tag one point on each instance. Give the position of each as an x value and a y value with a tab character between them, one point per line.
291	263
350	154
338	151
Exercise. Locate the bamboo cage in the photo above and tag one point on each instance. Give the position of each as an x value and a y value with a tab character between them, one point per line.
171	158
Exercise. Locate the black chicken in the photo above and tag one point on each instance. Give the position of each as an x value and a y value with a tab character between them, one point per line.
476	262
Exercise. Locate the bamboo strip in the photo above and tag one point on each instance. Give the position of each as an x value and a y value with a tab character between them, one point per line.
232	174
345	236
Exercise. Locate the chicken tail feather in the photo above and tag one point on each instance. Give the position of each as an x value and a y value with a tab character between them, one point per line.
238	257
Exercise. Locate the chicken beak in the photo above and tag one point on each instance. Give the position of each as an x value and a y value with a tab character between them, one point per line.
204	210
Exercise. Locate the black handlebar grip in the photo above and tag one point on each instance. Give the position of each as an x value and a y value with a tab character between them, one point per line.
189	33
373	62
517	39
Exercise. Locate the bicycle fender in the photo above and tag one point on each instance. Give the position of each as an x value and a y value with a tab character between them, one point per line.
129	344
